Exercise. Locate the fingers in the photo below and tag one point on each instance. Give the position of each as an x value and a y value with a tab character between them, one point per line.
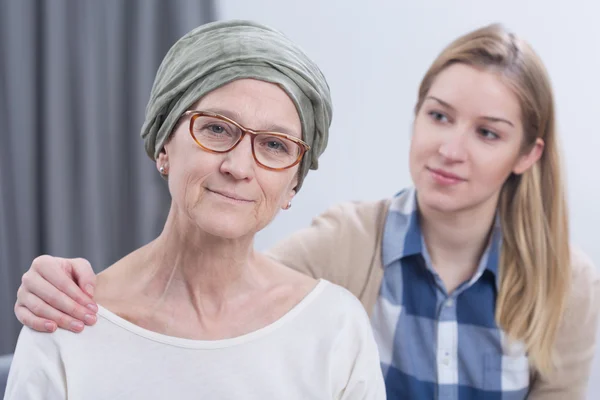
60	273
45	300
43	311
84	275
35	313
27	318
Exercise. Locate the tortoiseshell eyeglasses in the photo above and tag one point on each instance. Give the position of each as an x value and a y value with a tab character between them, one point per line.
216	133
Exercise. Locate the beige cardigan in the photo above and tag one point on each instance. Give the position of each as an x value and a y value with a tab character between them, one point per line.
343	245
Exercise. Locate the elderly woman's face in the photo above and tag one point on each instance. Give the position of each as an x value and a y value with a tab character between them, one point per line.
229	195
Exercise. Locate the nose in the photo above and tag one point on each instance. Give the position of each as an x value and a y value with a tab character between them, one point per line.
452	148
239	162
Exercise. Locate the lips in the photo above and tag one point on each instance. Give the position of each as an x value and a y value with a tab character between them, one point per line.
446	174
444	178
229	195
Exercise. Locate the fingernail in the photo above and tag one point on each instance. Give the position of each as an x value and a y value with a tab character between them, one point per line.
49	326
93	307
89	289
76	326
89	319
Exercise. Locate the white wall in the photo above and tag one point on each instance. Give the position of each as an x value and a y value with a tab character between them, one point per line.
374	55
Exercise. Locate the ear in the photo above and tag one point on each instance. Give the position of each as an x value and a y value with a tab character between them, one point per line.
287	199
162	161
526	160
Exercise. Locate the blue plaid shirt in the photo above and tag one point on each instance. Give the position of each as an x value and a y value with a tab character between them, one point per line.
434	345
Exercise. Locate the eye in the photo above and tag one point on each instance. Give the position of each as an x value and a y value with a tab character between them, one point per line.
214	128
276	145
438	116
487	134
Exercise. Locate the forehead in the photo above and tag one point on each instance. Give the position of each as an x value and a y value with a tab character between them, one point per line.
476	91
252	101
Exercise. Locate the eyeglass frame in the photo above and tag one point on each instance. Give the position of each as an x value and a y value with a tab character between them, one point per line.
195	114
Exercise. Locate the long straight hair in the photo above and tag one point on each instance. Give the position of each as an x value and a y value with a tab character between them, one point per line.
535	258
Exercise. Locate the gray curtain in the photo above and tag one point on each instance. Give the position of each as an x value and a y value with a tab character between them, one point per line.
75	76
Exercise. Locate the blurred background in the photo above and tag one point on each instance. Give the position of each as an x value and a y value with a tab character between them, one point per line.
75	76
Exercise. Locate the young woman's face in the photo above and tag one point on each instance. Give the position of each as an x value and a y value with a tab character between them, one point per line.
467	140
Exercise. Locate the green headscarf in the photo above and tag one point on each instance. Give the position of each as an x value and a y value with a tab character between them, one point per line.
217	53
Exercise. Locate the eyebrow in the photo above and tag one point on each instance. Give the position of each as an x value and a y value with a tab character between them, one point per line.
489	118
236	116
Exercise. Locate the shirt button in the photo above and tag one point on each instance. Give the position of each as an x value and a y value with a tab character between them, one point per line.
449	303
445	361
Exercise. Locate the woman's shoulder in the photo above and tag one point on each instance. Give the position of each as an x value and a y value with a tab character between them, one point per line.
353	221
367	212
585	277
354	213
339	303
30	340
47	348
585	282
582	308
582	265
576	339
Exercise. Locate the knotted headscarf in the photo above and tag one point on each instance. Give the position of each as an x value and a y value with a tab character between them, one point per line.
217	53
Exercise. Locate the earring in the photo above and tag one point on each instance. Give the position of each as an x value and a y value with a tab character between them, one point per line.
162	170
289	205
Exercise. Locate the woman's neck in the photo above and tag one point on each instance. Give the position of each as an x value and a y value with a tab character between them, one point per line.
187	266
456	241
191	284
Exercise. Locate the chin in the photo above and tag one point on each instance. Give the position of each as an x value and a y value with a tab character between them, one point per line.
454	202
226	225
439	204
446	202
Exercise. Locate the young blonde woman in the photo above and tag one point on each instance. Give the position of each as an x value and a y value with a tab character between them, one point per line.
473	289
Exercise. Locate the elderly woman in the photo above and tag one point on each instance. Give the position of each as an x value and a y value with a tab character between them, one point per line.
237	116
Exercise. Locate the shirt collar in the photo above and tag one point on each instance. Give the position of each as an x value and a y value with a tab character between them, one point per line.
402	235
491	256
402	231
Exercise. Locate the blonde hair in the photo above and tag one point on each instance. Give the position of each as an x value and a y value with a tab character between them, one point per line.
534	261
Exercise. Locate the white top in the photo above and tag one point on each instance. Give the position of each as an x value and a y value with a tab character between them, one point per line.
323	348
